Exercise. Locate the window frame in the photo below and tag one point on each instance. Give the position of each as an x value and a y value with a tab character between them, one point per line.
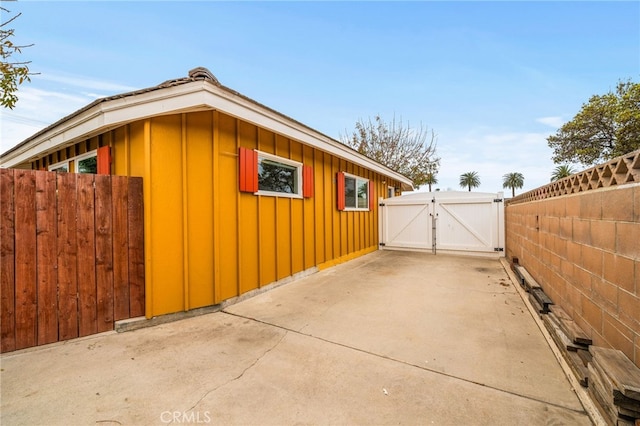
85	156
287	162
391	191
55	167
357	178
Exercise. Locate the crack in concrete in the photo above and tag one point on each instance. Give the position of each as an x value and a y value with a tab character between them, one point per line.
238	377
529	397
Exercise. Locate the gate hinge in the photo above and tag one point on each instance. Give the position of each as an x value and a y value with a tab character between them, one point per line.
382	244
497	200
382	204
498	249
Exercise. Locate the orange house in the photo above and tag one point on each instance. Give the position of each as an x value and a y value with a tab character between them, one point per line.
237	196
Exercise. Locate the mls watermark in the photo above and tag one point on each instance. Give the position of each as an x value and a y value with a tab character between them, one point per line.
186	417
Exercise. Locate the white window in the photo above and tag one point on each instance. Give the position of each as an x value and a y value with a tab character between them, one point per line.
87	163
279	176
391	192
356	193
60	167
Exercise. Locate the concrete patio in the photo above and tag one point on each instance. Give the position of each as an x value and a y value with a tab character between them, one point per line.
388	338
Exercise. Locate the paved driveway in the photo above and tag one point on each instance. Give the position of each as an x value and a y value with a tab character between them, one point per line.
389	338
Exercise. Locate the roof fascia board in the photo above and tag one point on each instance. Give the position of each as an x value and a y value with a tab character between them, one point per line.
199	95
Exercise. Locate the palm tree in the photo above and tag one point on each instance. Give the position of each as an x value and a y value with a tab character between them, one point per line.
513	180
561	172
470	179
431	179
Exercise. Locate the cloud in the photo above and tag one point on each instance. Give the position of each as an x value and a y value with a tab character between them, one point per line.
86	83
492	154
555	122
36	109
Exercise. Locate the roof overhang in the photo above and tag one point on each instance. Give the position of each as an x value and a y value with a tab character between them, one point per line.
201	95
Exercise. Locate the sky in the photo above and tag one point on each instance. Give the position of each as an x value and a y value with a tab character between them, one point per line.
492	79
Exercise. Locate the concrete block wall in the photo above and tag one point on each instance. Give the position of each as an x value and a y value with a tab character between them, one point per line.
584	250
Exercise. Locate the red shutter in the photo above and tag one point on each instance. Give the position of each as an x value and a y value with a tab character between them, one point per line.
248	170
104	160
371	196
340	190
307	181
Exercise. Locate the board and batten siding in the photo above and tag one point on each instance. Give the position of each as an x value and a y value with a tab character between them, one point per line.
207	242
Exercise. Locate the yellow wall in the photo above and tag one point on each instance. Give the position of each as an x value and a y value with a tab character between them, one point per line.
206	242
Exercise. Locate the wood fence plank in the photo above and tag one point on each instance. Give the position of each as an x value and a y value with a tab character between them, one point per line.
67	249
87	293
120	191
7	262
136	247
46	262
25	240
104	253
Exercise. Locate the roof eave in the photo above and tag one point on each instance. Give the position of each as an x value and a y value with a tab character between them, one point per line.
108	113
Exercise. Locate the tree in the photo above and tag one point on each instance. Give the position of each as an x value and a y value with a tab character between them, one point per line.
561	172
513	180
431	179
606	127
470	180
410	152
14	73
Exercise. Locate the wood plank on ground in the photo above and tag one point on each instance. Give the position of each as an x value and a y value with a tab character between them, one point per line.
7	262
529	281
570	328
606	399
25	237
556	332
47	261
67	251
579	370
623	373
559	312
542	298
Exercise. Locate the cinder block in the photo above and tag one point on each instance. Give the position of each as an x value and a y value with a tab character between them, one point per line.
629	309
627	239
574	300
603	234
582	231
582	279
591	260
561	248
604	294
636	204
637	277
618	335
574	251
566	269
566	230
620	270
617	204
572	206
557	207
591	205
592	313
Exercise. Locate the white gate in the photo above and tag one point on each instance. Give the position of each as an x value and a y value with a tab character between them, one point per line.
451	222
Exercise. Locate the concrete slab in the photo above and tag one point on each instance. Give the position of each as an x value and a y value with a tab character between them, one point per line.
392	337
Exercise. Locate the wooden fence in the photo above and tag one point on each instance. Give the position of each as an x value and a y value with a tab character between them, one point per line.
71	255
